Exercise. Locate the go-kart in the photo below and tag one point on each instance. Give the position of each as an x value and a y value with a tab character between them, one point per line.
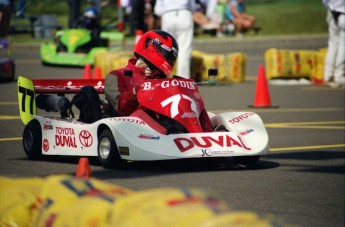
142	136
75	47
7	65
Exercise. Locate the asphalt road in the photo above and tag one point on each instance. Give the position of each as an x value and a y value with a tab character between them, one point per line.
301	182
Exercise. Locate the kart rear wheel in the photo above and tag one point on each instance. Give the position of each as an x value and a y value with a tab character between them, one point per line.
32	140
108	154
248	161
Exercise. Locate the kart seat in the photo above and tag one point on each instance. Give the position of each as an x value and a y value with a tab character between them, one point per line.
140	113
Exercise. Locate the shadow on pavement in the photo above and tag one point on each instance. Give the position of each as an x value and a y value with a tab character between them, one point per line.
152	168
313	161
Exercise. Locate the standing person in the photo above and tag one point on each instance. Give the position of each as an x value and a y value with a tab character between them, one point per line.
334	69
124	8
203	16
74	12
137	17
212	14
151	19
5	17
21	9
177	19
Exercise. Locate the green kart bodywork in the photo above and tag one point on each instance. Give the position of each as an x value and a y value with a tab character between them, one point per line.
74	43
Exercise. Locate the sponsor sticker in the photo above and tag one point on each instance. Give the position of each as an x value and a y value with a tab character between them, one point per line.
65	137
209	152
150	137
241	118
188	115
45	145
246	131
85	138
47	127
208	142
124	150
130	120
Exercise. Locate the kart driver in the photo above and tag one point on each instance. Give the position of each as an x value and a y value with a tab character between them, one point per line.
155	56
91	21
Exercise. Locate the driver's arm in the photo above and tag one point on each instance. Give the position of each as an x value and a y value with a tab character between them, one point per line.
121	99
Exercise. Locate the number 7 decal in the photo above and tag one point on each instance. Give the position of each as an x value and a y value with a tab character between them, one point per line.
175	100
30	93
26	99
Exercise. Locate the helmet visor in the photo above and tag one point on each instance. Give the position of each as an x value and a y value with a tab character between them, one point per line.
169	54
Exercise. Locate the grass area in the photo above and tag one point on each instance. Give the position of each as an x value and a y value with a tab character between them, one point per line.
286	17
275	17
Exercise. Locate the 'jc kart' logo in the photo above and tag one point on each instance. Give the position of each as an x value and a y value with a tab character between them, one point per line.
206	152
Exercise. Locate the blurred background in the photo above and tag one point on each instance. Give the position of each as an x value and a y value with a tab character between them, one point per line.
275	17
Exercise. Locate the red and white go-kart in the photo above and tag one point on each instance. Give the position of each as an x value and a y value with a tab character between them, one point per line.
142	136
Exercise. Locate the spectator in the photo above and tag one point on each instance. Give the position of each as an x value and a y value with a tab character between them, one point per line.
91	21
5	17
235	12
141	15
334	69
124	10
151	20
213	15
227	27
177	19
201	18
21	9
137	16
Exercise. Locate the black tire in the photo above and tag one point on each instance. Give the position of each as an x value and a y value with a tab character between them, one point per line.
13	71
248	161
108	154
32	140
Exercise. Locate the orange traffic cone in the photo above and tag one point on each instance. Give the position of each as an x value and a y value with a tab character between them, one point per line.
87	72
98	73
83	169
262	95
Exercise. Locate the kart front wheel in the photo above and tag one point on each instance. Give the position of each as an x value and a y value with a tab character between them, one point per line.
32	140
247	161
108	154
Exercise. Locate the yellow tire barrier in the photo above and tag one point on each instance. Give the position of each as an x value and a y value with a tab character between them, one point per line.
165	207
17	198
231	67
317	72
108	61
289	64
66	201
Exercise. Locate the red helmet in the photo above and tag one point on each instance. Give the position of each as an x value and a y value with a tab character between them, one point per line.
158	49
